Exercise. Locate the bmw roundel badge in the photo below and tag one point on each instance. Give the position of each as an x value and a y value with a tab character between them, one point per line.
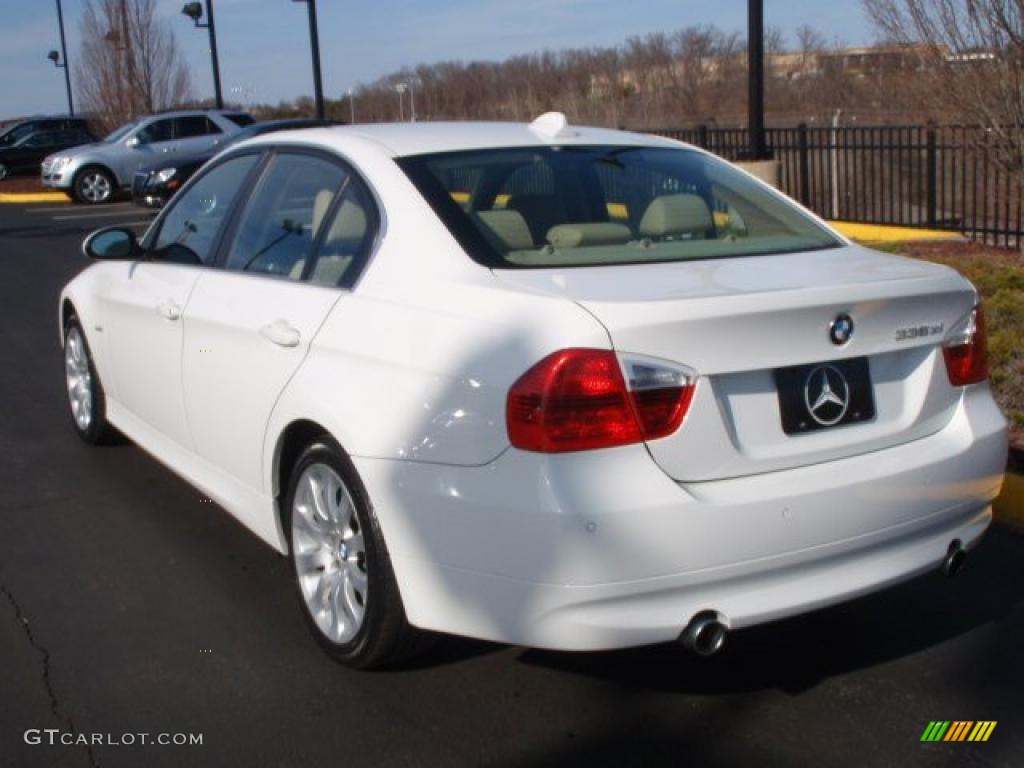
841	330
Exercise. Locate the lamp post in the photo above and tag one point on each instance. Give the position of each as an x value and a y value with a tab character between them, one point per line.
755	101
63	57
352	106
195	12
314	45
400	89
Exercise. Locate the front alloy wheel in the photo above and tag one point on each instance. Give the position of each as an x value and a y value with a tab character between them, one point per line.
85	392
94	186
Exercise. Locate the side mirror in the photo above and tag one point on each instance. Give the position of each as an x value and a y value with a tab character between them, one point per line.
133	142
112	243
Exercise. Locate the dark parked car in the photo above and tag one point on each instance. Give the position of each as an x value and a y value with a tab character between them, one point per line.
12	134
154	184
25	154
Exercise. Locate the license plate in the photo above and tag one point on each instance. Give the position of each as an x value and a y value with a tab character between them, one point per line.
824	395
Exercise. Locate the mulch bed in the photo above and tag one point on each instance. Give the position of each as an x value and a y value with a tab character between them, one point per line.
16	184
942	250
968	255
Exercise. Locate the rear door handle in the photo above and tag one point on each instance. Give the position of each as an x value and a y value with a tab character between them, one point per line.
169	310
281	333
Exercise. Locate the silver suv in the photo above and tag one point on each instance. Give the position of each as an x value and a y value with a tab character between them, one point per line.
92	173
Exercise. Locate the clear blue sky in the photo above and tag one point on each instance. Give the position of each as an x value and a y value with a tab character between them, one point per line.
264	43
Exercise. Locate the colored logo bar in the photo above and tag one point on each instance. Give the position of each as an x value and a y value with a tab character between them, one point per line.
958	730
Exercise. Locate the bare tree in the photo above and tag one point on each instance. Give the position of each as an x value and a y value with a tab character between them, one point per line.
130	61
675	79
972	60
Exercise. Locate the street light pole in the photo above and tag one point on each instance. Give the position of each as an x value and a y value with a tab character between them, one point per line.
64	53
213	55
352	106
314	44
400	89
755	100
195	12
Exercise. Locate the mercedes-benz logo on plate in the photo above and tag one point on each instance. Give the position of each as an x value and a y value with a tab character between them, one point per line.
841	330
827	395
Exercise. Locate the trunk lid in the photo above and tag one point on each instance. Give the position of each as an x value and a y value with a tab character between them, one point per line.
736	321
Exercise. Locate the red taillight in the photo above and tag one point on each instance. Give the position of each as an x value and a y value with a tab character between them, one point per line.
966	351
577	399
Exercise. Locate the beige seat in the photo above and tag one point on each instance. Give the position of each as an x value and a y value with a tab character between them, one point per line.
681	216
509	227
341	244
590	233
349	226
321	203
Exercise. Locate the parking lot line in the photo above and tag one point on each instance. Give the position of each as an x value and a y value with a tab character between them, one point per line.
51	209
97	215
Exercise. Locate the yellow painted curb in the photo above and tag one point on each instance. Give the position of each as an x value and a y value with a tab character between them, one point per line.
34	197
1009	507
876	233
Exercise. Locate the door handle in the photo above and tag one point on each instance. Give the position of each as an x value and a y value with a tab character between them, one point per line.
169	310
281	333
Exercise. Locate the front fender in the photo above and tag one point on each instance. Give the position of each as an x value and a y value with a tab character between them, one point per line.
82	296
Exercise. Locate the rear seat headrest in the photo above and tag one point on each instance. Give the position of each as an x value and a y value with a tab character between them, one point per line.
592	233
509	227
681	214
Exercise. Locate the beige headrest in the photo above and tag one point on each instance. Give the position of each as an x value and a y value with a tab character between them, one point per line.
676	215
594	233
321	203
349	223
509	227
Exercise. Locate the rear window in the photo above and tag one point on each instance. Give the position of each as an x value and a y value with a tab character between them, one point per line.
588	206
240	119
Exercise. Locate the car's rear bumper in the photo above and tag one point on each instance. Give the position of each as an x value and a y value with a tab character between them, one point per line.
602	550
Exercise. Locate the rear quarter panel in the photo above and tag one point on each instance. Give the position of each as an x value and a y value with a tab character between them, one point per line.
423	376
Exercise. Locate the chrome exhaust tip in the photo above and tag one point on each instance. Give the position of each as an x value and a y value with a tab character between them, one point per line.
955	557
705	634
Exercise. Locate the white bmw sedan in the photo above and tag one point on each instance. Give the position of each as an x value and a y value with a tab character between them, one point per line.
562	387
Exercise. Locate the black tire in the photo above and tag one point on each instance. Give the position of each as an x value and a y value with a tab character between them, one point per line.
385	636
94	430
90	179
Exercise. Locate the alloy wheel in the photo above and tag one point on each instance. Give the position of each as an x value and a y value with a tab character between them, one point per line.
79	379
330	553
95	187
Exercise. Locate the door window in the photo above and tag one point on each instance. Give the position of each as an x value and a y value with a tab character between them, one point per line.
189	229
192	126
40	139
347	238
282	218
158	130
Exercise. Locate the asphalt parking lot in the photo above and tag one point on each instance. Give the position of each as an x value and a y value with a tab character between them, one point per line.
129	605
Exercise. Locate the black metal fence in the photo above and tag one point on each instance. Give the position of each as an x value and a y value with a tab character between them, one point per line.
940	177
